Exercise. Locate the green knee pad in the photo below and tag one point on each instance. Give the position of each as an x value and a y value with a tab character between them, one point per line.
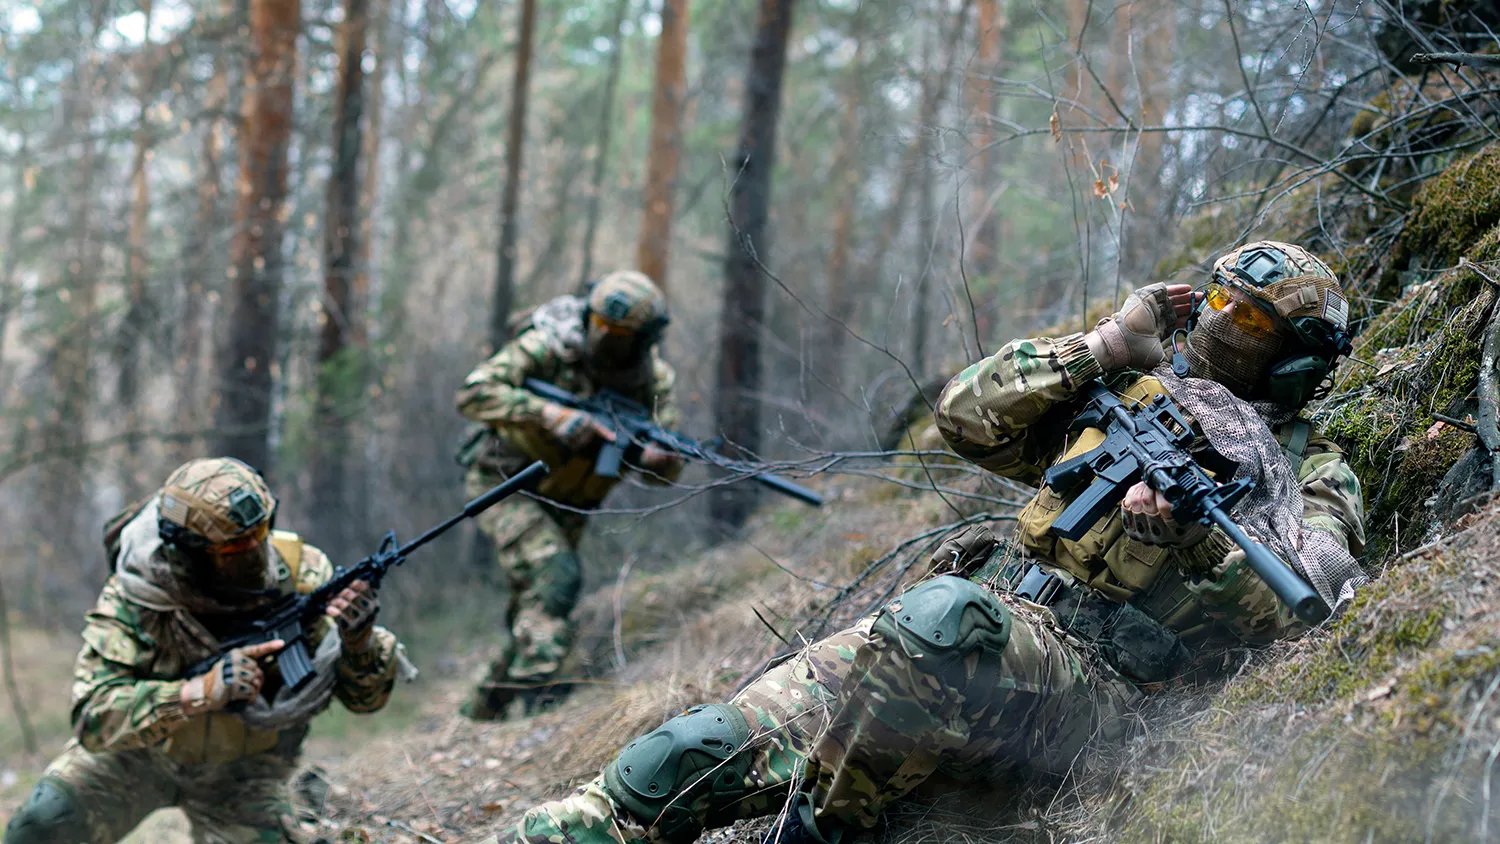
943	620
660	776
51	815
564	576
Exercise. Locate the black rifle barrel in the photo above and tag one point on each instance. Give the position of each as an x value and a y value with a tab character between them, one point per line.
527	478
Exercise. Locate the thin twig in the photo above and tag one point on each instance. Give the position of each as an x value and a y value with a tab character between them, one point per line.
1474	60
619	631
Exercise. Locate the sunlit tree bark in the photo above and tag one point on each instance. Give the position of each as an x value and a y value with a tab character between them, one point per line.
666	141
243	414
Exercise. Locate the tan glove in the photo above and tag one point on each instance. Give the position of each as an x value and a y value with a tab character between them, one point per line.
573	428
1147	518
354	609
235	677
964	552
1132	338
660	462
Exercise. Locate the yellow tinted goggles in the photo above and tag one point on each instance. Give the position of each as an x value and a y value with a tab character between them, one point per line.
608	327
1247	316
242	543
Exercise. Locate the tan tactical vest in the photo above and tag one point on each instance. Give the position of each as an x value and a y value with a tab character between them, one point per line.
1104	558
219	737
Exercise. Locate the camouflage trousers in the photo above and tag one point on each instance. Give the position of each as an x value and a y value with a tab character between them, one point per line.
536	548
859	719
240	802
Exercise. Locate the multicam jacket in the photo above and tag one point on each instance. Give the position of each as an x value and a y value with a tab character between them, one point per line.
127	686
1010	413
493	394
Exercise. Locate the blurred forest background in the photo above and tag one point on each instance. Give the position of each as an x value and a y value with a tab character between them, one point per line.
286	229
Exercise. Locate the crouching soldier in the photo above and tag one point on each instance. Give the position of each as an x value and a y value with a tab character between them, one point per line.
220	745
607	340
1027	661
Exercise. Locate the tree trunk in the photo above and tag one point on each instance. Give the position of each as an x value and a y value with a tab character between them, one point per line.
984	236
735	408
340	378
244	408
201	268
666	142
601	151
62	496
374	111
136	322
840	291
505	263
934	91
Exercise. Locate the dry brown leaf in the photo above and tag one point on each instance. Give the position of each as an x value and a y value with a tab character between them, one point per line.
855	537
1099	191
1056	126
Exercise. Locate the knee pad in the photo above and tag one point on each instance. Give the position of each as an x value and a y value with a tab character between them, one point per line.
564	578
944	620
661	776
51	815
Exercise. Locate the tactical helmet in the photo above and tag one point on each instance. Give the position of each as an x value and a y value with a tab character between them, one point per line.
1294	328
213	502
626	315
628	299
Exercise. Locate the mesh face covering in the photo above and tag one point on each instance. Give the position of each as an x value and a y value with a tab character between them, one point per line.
1272	512
1218	350
618	361
247	571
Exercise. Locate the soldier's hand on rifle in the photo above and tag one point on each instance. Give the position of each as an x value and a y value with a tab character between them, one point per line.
658	462
235	677
354	609
1132	338
1148	518
573	428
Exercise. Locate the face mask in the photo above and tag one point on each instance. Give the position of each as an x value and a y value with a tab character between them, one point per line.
1219	350
236	576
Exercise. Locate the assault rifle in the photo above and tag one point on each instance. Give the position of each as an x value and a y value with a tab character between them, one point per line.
1151	444
288	618
631	424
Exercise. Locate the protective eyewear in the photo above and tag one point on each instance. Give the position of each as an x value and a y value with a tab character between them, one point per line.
242	543
608	327
1250	316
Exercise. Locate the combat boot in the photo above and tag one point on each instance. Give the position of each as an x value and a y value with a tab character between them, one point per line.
488	702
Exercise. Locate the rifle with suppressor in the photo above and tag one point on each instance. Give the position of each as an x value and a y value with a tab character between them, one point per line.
1150	444
631	424
288	618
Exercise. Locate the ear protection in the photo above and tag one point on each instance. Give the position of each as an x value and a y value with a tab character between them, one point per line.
1296	379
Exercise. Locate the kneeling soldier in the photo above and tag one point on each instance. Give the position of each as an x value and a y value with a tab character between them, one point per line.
189	566
1024	664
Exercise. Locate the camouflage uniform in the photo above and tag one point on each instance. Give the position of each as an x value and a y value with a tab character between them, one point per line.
134	749
536	542
953	676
